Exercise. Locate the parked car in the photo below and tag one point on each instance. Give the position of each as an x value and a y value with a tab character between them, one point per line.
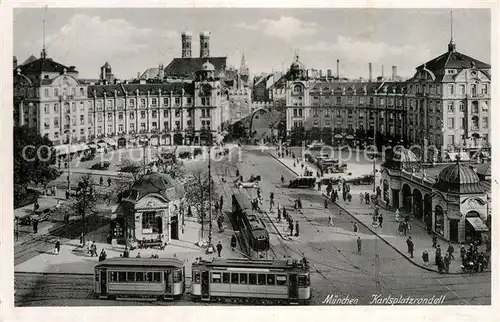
253	185
302	182
101	166
88	157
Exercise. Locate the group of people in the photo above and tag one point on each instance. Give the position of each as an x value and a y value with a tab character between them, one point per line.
473	260
101	181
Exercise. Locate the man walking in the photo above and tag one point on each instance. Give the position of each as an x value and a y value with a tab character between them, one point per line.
358	242
109	181
380	220
425	258
297	228
434	241
409	242
290	226
219	248
355	227
451	250
330	221
438	255
326	204
462	252
57	247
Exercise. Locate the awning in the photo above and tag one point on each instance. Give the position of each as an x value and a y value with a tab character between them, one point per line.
453	156
61	149
338	136
350	137
477	224
111	142
101	145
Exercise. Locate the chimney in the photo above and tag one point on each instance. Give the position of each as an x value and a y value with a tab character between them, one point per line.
369	72
394	72
338	66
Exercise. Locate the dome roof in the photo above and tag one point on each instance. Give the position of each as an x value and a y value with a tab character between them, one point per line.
106	65
205	33
458	178
296	65
186	33
400	158
155	182
207	66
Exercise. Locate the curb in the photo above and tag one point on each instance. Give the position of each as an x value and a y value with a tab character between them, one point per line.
397	250
376	234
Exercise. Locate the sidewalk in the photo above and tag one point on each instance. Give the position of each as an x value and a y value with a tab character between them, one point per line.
73	259
389	230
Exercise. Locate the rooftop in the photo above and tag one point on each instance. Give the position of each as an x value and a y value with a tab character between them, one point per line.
186	67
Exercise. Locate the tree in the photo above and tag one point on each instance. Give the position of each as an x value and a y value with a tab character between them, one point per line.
46	175
33	157
172	166
198	193
86	200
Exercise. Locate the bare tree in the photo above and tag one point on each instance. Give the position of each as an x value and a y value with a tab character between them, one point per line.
198	192
86	200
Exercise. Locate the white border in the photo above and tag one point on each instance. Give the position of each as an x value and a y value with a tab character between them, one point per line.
176	313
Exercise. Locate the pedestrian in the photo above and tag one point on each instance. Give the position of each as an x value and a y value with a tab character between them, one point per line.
57	247
126	253
361	197
451	250
81	240
380	220
405	227
355	227
101	181
400	228
67	194
35	226
297	228
440	264
462	251
109	181
279	214
358	242
349	197
326	203
103	255
425	258
434	241
447	261
233	242
290	226
438	255
397	214
219	248
330	221
93	249
221	202
282	179
410	245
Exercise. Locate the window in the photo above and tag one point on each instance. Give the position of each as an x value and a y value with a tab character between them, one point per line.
484	106
294	112
178	112
462	89
475	107
132	127
451	89
56	135
99	129
156	277
56	92
188	101
177	276
462	106
153	101
46	123
234	278
113	276
225	278
46	109
381	101
165	101
216	278
252	279
149	222
451	108
462	123
143	114
451	123
131	102
110	116
153	114
109	103
451	139
261	279
132	115
177	101
120	116
280	279
315	112
270	279
338	113
196	279
46	92
73	106
122	276
205	101
371	100
110	128
139	276
303	280
361	101
82	120
82	107
56	108
243	278
484	89
165	125
485	122
120	128
177	125
154	124
143	102
165	113
338	99
473	90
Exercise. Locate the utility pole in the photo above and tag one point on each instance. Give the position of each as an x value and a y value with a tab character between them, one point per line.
69	156
210	248
374	158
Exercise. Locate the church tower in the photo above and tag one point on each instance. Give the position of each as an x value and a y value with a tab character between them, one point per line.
243	67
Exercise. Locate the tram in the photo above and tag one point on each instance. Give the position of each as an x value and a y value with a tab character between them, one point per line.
251	281
252	228
139	278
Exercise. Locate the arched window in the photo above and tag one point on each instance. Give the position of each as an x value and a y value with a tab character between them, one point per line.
297	89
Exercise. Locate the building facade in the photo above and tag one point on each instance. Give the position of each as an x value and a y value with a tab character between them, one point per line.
446	104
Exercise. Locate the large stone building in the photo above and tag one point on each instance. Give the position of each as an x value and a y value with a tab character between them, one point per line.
453	199
48	96
446	104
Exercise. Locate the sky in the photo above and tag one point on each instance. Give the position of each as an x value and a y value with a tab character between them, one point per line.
134	39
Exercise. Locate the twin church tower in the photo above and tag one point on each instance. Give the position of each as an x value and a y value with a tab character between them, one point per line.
187	39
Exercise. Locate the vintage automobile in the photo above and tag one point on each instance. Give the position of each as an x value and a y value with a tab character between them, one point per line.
302	182
101	166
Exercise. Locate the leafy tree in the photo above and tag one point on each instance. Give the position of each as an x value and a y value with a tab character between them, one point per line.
197	192
86	200
33	157
46	175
